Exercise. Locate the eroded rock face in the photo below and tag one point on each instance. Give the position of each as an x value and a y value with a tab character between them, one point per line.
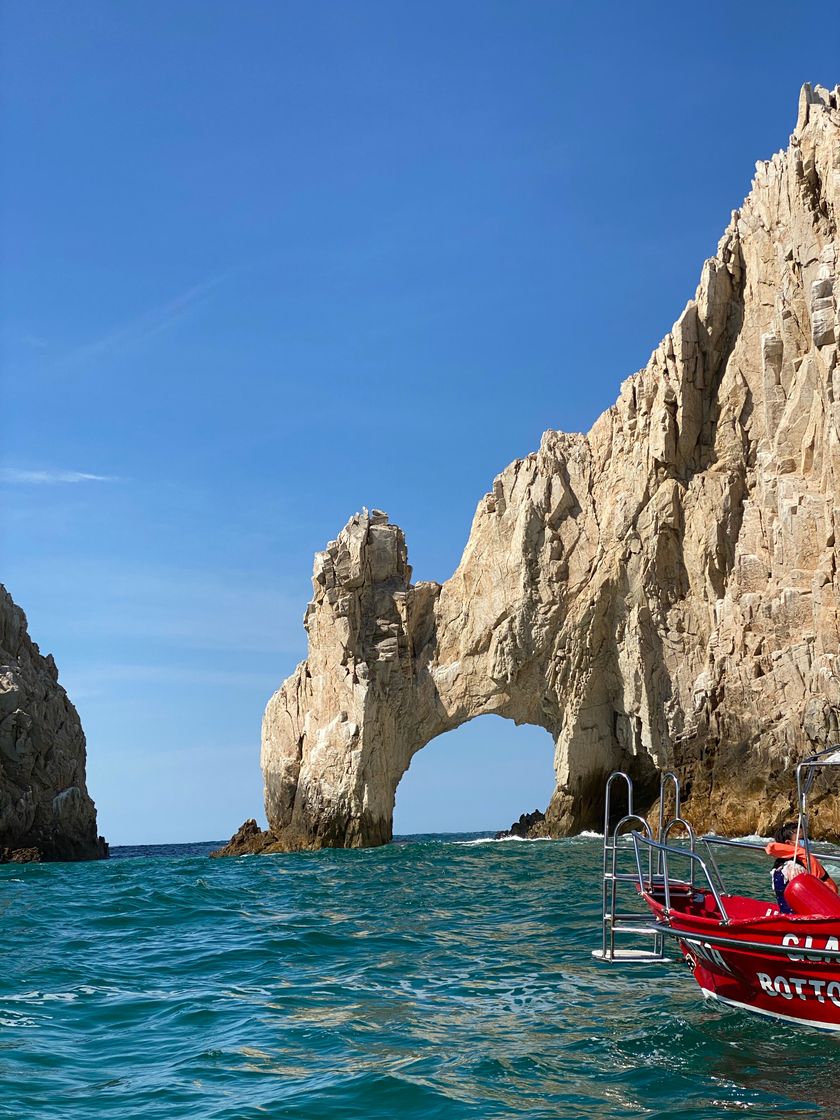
45	810
661	592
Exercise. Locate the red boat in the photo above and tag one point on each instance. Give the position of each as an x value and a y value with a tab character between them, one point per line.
743	951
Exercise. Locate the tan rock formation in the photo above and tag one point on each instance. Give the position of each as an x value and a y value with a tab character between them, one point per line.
660	592
45	809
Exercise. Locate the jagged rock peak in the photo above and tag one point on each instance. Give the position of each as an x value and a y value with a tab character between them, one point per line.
45	810
661	592
818	96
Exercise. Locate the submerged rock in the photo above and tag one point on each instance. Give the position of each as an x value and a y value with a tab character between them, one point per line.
661	592
45	809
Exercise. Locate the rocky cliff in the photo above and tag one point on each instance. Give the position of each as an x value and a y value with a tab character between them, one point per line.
661	592
45	810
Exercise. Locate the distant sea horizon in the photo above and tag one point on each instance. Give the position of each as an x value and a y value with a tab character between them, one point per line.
196	847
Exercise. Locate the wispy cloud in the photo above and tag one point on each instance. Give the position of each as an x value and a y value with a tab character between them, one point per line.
49	477
145	326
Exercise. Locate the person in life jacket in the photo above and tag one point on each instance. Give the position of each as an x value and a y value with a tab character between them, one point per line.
790	861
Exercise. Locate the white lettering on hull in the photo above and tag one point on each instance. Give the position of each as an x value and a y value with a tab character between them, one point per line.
811	952
791	987
709	955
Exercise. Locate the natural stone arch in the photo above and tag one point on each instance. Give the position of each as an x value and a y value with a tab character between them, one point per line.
393	665
480	777
660	592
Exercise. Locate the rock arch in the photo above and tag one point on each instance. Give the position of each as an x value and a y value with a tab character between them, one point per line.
392	665
662	591
481	777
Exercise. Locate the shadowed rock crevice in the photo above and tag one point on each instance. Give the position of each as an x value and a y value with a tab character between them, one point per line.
661	592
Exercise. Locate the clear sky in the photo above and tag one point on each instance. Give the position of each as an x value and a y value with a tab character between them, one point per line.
267	262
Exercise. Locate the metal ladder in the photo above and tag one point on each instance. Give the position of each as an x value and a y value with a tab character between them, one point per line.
614	921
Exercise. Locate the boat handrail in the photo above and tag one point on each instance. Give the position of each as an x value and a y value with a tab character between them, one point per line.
679	822
615	776
682	823
631	818
710	838
668	778
781	949
665	850
821	758
826	852
713	838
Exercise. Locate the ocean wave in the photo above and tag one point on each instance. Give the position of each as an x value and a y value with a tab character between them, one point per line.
425	980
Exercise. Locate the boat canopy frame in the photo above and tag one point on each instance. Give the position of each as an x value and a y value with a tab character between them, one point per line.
806	772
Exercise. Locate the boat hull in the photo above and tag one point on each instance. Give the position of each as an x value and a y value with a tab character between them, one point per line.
786	967
802	992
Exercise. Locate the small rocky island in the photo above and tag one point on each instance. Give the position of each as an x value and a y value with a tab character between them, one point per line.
662	592
528	827
46	812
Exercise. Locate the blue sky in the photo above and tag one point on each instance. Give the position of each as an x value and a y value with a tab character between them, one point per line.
265	263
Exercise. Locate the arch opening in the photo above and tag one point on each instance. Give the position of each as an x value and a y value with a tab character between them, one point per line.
480	777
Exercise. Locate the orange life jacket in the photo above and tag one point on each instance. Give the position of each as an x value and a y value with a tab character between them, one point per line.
811	863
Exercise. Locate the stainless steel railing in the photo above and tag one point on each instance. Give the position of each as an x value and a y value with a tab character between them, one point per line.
667	852
614	921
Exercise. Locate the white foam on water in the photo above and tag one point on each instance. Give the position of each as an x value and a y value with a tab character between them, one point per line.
588	834
503	840
37	997
18	1021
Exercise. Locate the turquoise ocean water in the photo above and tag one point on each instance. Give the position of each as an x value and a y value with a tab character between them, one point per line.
432	978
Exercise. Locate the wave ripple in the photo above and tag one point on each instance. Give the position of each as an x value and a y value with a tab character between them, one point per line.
432	978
